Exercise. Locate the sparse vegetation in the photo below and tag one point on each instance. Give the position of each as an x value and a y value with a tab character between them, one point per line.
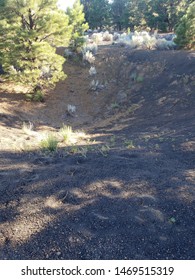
134	40
106	36
92	71
71	109
143	40
129	144
97	38
94	85
104	149
27	127
37	96
91	47
112	140
66	132
108	158
115	105
73	150
49	143
76	150
89	57
140	79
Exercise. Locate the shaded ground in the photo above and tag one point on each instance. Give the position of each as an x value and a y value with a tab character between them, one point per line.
131	194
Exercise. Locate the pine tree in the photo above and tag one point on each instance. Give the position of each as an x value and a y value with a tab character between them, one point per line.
186	29
30	31
165	14
120	13
97	12
77	21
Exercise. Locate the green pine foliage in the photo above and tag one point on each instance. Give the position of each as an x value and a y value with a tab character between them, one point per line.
162	15
186	29
97	12
120	14
30	32
78	24
156	14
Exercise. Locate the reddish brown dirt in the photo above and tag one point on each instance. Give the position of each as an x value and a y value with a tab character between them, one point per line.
127	190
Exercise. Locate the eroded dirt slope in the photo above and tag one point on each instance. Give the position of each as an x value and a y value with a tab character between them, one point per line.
127	192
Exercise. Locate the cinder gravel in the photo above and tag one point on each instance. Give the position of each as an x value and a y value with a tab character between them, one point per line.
133	200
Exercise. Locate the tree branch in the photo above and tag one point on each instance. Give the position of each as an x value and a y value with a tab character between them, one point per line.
47	36
31	22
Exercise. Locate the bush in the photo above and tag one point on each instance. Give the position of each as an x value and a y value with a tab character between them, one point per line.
97	37
163	44
50	143
186	29
116	36
92	71
27	127
68	53
71	109
143	40
107	36
94	85
88	56
66	132
93	48
37	96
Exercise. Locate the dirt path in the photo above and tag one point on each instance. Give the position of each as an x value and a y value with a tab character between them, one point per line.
131	194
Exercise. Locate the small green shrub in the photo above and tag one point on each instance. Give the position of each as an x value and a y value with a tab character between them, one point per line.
113	140
66	132
115	105
139	79
50	143
83	151
73	150
104	149
37	96
129	144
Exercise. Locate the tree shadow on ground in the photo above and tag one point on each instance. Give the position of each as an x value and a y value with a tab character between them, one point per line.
126	205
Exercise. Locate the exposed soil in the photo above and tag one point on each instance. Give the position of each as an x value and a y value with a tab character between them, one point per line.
127	191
